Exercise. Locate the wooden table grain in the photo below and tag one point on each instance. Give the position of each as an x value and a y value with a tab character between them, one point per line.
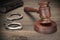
28	32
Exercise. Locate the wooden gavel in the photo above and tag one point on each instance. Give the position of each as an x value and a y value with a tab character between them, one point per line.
45	25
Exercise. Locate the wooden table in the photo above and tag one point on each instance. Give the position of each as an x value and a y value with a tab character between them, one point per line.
28	33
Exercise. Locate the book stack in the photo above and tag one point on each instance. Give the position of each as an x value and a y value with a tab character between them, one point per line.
8	5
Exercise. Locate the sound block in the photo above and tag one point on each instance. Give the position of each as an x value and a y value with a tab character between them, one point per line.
46	28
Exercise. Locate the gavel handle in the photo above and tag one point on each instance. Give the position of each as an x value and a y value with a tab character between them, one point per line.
30	9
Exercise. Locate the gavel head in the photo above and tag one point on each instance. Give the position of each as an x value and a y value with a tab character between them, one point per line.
44	11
